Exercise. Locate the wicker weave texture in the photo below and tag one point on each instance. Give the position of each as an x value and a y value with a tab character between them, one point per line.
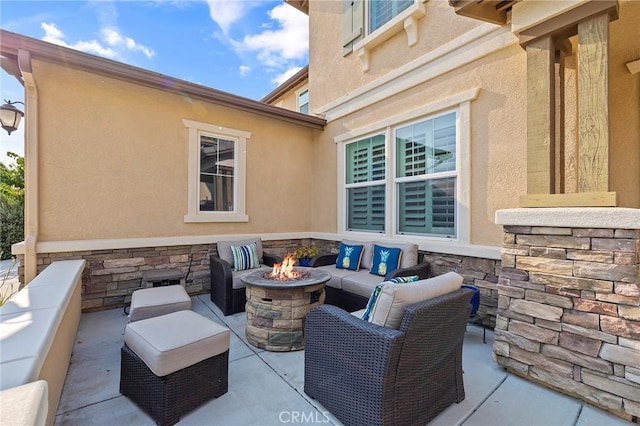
365	374
225	297
167	398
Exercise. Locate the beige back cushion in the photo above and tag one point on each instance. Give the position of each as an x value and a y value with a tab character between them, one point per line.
389	308
409	253
367	253
224	248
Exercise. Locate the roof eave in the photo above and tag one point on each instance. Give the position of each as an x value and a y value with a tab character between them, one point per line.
301	5
292	82
11	43
494	11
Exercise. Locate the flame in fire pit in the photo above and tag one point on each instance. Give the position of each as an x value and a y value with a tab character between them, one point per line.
284	271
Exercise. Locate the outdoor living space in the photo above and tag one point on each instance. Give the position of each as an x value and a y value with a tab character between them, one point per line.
499	139
266	388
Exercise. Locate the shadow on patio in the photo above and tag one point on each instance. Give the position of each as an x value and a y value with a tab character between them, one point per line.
266	388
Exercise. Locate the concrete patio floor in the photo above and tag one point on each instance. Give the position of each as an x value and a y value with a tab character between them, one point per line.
266	388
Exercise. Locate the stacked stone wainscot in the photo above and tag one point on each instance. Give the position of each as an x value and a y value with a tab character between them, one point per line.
275	316
276	308
569	312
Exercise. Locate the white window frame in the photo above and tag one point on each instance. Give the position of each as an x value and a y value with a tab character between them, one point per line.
425	177
406	20
298	104
461	103
240	137
383	182
367	17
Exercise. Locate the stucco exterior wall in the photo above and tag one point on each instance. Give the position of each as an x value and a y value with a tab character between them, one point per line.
118	167
624	105
289	100
498	135
333	75
498	115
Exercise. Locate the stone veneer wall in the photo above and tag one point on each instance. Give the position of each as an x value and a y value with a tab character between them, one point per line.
479	272
569	312
111	276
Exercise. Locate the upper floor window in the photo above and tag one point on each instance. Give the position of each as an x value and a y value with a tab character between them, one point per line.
303	101
217	173
384	18
382	11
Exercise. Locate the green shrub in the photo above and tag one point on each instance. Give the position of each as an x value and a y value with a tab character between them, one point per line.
11	204
11	225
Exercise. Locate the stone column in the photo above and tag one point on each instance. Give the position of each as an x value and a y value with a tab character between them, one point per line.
569	303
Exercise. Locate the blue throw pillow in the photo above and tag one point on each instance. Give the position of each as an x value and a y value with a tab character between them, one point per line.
376	292
385	259
349	257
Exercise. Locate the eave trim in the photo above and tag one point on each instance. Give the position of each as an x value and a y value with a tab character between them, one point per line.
10	43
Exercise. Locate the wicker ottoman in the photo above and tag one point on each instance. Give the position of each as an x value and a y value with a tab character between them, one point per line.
173	363
156	301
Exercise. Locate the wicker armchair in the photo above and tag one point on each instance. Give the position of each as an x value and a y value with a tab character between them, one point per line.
228	291
366	374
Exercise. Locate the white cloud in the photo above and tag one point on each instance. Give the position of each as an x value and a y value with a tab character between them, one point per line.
244	70
53	34
226	12
112	45
113	38
281	78
278	47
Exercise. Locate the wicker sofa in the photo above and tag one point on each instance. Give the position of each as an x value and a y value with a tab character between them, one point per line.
369	374
350	290
228	291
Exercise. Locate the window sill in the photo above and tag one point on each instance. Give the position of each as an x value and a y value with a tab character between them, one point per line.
216	217
407	20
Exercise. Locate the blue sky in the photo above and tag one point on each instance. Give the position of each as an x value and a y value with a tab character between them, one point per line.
245	47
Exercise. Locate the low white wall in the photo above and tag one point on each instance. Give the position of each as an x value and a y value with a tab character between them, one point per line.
38	327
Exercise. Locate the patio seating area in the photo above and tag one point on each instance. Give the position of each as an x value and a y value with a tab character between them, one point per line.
266	388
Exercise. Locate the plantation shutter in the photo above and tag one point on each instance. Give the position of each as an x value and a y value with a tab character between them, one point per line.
426	205
352	24
366	203
412	161
413	207
443	206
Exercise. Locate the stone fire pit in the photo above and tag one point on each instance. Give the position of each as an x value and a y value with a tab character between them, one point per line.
276	309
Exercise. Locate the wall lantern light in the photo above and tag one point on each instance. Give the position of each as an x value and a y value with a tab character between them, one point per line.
10	116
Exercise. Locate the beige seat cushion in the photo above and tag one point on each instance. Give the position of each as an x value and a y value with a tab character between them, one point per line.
337	275
236	276
389	308
156	301
361	284
178	340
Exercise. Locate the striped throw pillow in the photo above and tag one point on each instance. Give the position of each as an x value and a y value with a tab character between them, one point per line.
376	292
245	257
